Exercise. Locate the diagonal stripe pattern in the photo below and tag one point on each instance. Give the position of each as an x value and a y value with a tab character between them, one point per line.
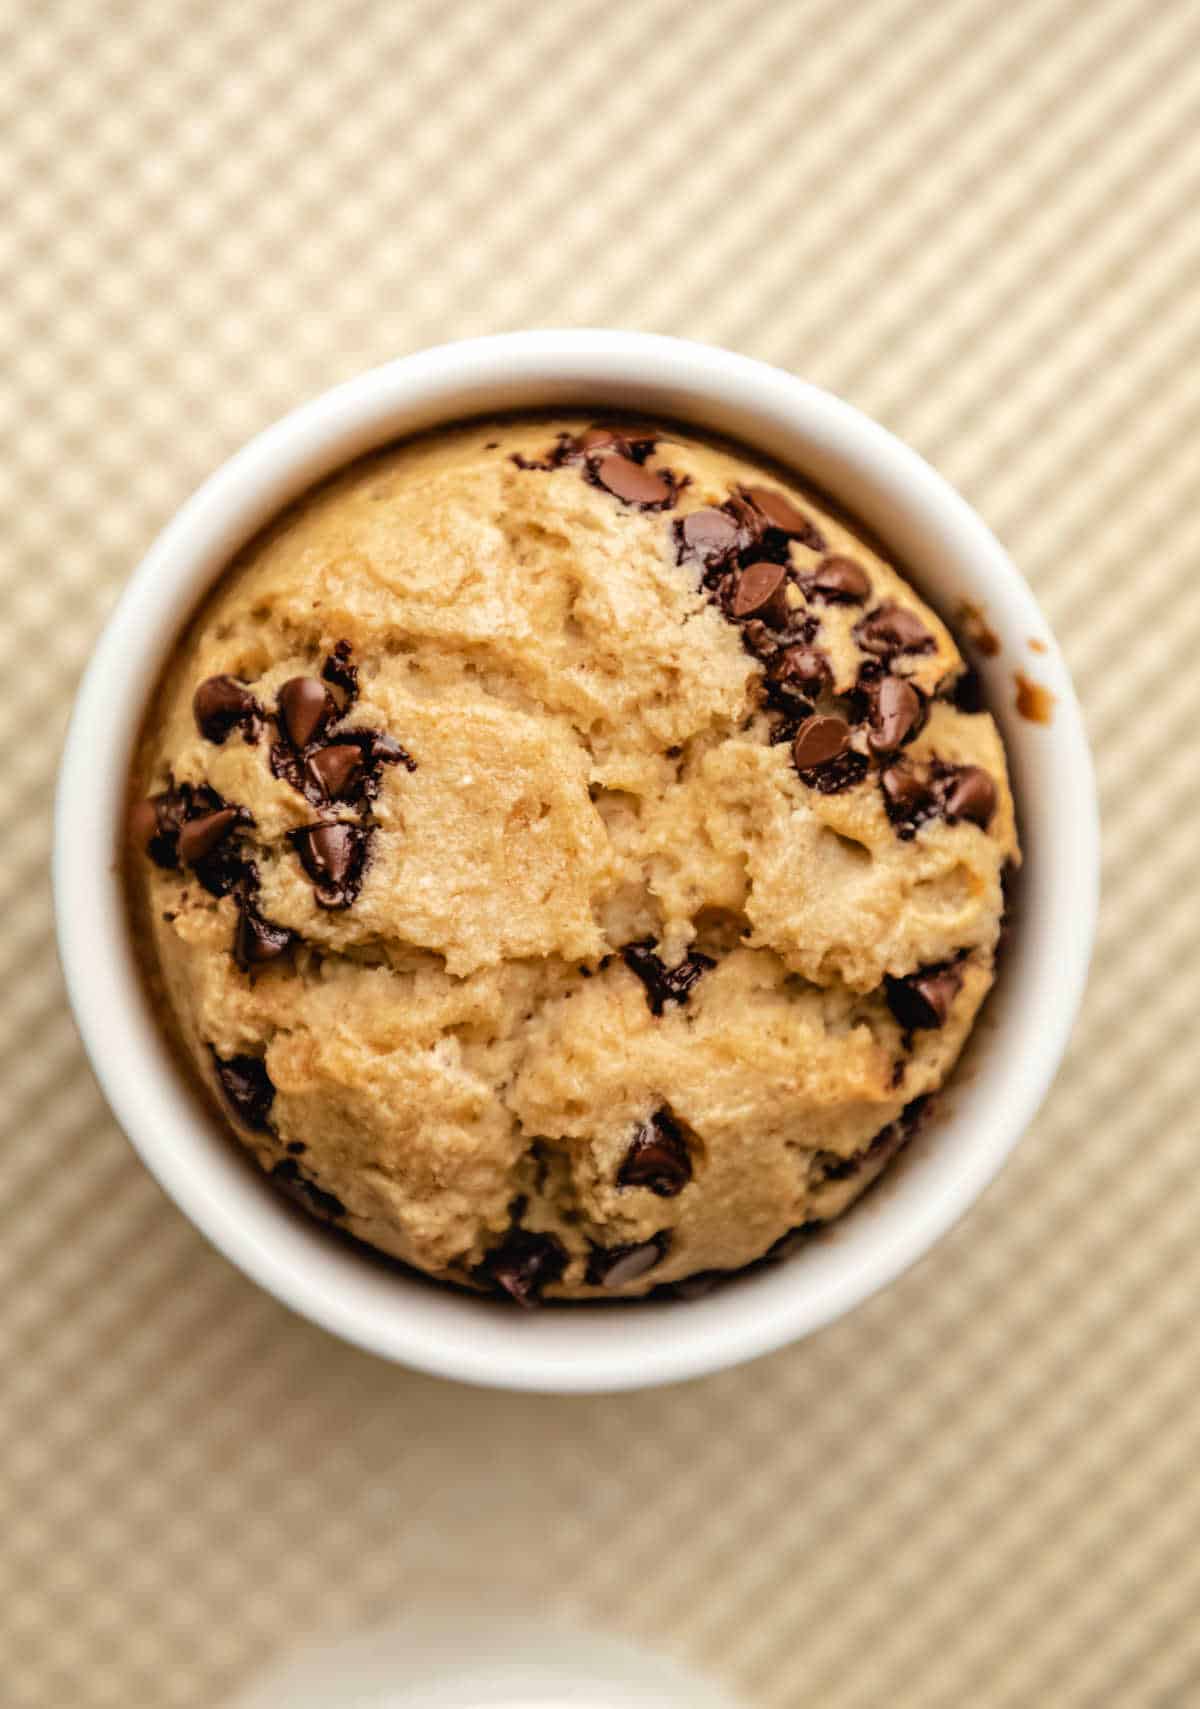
979	223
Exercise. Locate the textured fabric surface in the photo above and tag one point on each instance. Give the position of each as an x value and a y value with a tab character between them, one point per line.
978	222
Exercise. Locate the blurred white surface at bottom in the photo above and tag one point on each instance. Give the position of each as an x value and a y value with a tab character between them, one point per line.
479	1664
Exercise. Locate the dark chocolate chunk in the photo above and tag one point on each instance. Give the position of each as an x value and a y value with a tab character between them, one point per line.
647	489
297	1147
664	984
333	856
247	1087
969	793
708	537
523	1264
760	591
891	629
614	1266
819	740
658	1158
338	670
923	999
897	712
222	704
779	512
305	707
335	771
839	579
303	1188
199	837
257	941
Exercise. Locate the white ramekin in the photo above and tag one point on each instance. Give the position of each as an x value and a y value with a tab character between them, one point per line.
951	556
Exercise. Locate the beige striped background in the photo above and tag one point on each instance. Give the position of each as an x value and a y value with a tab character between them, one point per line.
980	222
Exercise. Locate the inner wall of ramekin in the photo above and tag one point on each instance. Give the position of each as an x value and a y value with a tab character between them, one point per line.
950	557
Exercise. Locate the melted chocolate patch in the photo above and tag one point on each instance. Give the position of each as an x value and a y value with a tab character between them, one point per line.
658	1157
923	1000
193	825
247	1087
305	1190
339	671
523	1264
664	984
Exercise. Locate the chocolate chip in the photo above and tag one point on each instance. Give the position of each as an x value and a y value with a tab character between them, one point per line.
338	670
523	1264
779	512
923	999
760	591
905	793
374	749
893	629
632	483
221	704
199	837
257	941
593	438
664	984
896	715
174	808
799	673
297	1147
839	579
708	537
658	1158
614	1266
247	1086
553	459
970	794
634	442
302	1187
384	750
335	771
305	707
143	823
760	640
840	774
834	1166
967	691
333	857
819	740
